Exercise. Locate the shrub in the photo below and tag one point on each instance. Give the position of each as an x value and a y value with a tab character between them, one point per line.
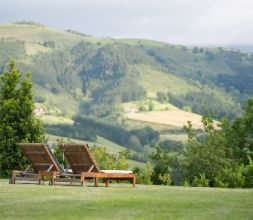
165	178
230	178
147	175
200	181
247	172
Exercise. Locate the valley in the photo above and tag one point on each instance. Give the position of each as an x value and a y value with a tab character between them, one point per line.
137	87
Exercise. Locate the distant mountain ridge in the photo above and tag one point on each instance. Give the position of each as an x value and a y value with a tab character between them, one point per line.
76	73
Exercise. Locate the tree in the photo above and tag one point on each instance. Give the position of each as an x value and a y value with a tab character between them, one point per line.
207	155
147	175
17	121
162	97
151	106
166	169
239	134
144	176
134	143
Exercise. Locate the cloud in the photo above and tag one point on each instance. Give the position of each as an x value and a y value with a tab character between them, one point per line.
173	21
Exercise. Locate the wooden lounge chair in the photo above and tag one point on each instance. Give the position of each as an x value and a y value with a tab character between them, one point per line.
82	162
42	162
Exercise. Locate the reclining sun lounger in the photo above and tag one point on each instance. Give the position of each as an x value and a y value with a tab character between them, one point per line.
43	164
82	162
41	161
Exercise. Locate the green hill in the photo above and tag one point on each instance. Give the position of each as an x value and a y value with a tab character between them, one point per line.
101	73
125	85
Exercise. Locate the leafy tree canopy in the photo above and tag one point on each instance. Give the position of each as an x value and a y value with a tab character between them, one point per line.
17	121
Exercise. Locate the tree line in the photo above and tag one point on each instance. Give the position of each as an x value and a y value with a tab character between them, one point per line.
221	157
87	128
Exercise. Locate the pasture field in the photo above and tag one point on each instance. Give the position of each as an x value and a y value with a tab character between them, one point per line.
177	118
158	81
121	201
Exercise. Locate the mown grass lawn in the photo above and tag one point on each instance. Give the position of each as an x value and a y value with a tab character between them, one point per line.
121	201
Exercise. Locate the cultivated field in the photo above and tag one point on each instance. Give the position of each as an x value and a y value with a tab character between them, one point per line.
177	118
121	201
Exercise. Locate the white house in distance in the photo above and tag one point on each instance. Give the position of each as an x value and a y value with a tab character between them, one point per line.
39	110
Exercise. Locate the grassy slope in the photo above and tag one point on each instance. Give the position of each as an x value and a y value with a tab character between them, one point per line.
151	79
22	201
62	102
110	146
35	34
134	163
158	81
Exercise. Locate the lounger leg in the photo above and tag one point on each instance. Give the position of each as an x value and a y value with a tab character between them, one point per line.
13	178
96	181
134	180
107	183
82	181
39	179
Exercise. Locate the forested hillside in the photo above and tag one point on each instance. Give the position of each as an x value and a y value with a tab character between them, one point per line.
99	74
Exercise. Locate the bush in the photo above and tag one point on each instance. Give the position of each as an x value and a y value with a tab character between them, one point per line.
200	181
147	175
55	90
138	173
248	174
165	179
144	177
230	178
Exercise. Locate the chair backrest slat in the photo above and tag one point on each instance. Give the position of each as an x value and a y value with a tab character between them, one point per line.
79	158
40	157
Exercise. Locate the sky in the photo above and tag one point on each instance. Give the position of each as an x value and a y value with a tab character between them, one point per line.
186	22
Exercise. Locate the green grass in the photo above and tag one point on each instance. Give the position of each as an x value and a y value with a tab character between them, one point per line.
134	163
110	146
56	103
35	34
158	81
28	201
157	106
53	119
